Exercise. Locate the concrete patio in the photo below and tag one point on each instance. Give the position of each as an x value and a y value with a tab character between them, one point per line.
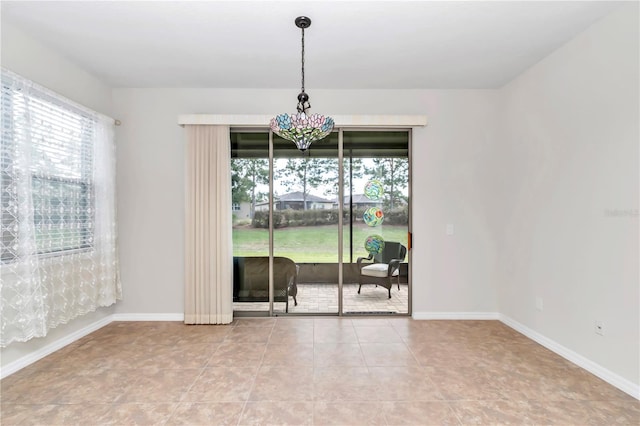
323	298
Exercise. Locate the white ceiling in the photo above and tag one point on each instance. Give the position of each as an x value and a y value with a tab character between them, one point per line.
350	44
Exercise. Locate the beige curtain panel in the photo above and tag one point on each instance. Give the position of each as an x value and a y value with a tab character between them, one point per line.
208	240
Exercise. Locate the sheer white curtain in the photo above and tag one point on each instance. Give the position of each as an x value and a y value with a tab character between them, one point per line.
208	240
58	255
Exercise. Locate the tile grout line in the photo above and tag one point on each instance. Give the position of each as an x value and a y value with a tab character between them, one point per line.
255	377
202	370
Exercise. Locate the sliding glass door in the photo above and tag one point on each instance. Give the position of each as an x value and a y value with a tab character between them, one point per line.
250	210
305	222
376	226
292	220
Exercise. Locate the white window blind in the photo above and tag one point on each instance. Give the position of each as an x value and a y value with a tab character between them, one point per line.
60	165
58	252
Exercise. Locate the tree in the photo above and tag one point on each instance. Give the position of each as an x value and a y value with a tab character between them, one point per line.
308	173
353	169
393	173
246	175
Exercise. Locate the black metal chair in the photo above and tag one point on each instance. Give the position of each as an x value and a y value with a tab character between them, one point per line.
385	266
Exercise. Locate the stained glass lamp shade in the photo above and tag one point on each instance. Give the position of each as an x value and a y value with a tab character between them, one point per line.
301	128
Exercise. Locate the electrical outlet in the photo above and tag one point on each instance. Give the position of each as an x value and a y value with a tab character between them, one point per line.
599	328
539	304
449	229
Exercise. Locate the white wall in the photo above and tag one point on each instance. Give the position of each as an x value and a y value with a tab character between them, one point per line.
23	55
452	164
29	58
569	157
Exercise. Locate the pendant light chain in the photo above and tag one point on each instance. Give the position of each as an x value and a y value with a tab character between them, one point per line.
302	59
302	128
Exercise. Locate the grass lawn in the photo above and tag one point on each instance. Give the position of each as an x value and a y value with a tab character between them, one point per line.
311	244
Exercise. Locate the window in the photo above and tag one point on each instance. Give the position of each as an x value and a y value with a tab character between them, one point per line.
235	207
59	231
60	163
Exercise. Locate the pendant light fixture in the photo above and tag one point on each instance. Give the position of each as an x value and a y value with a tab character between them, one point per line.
301	128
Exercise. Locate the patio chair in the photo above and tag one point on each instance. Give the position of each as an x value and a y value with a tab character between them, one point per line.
251	279
385	267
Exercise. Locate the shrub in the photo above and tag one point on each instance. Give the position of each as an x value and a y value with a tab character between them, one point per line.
290	218
398	216
260	219
286	218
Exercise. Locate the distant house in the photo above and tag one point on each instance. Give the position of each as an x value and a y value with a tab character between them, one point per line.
241	210
360	201
263	206
296	201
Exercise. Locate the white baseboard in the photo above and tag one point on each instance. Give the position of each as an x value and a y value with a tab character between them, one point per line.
592	367
148	317
455	316
23	362
72	337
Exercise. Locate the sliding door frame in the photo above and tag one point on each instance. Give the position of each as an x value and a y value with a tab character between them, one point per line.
270	198
340	218
409	131
340	312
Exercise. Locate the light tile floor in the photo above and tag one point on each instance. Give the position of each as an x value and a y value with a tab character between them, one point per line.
310	371
323	298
